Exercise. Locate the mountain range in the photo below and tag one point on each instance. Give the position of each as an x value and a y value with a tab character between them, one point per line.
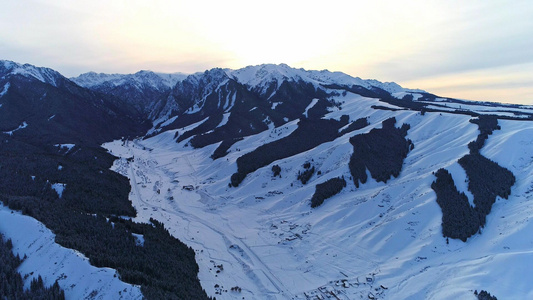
264	182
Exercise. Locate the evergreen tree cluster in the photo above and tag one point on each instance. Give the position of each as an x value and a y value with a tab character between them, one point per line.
11	283
486	181
240	124
459	219
90	185
83	218
222	149
327	190
276	171
319	109
301	94
355	125
209	124
484	295
309	134
486	124
307	173
247	116
381	151
251	110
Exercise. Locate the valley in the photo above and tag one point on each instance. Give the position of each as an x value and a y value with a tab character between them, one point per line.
271	244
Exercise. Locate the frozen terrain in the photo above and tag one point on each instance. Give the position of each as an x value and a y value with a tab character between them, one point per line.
263	240
78	278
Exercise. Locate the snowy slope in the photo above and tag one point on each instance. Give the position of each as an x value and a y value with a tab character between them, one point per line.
70	268
380	240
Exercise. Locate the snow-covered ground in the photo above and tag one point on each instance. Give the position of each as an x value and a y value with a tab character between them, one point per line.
22	126
506	111
70	268
381	240
4	90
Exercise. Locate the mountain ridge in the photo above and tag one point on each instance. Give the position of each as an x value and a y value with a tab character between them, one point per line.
259	79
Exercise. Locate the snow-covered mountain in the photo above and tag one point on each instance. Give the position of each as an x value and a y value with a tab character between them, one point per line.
44	75
139	80
41	103
142	89
165	97
285	184
376	240
262	76
53	169
270	84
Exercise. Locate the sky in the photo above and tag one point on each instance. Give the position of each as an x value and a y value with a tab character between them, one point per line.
476	50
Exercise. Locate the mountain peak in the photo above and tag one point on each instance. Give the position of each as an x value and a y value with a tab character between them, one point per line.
141	78
261	77
45	75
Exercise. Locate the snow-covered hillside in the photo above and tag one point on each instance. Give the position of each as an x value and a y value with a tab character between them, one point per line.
383	241
52	262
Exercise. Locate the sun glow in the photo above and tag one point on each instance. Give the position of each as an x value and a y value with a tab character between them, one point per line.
385	40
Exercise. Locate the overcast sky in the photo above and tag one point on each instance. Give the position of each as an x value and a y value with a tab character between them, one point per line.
479	50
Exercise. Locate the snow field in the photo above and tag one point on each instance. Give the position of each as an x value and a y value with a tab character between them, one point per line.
274	246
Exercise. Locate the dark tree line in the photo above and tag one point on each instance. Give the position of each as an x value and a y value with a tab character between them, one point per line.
327	190
240	124
486	124
355	125
484	295
296	96
209	124
251	113
381	151
309	134
222	149
319	109
11	283
82	218
486	181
